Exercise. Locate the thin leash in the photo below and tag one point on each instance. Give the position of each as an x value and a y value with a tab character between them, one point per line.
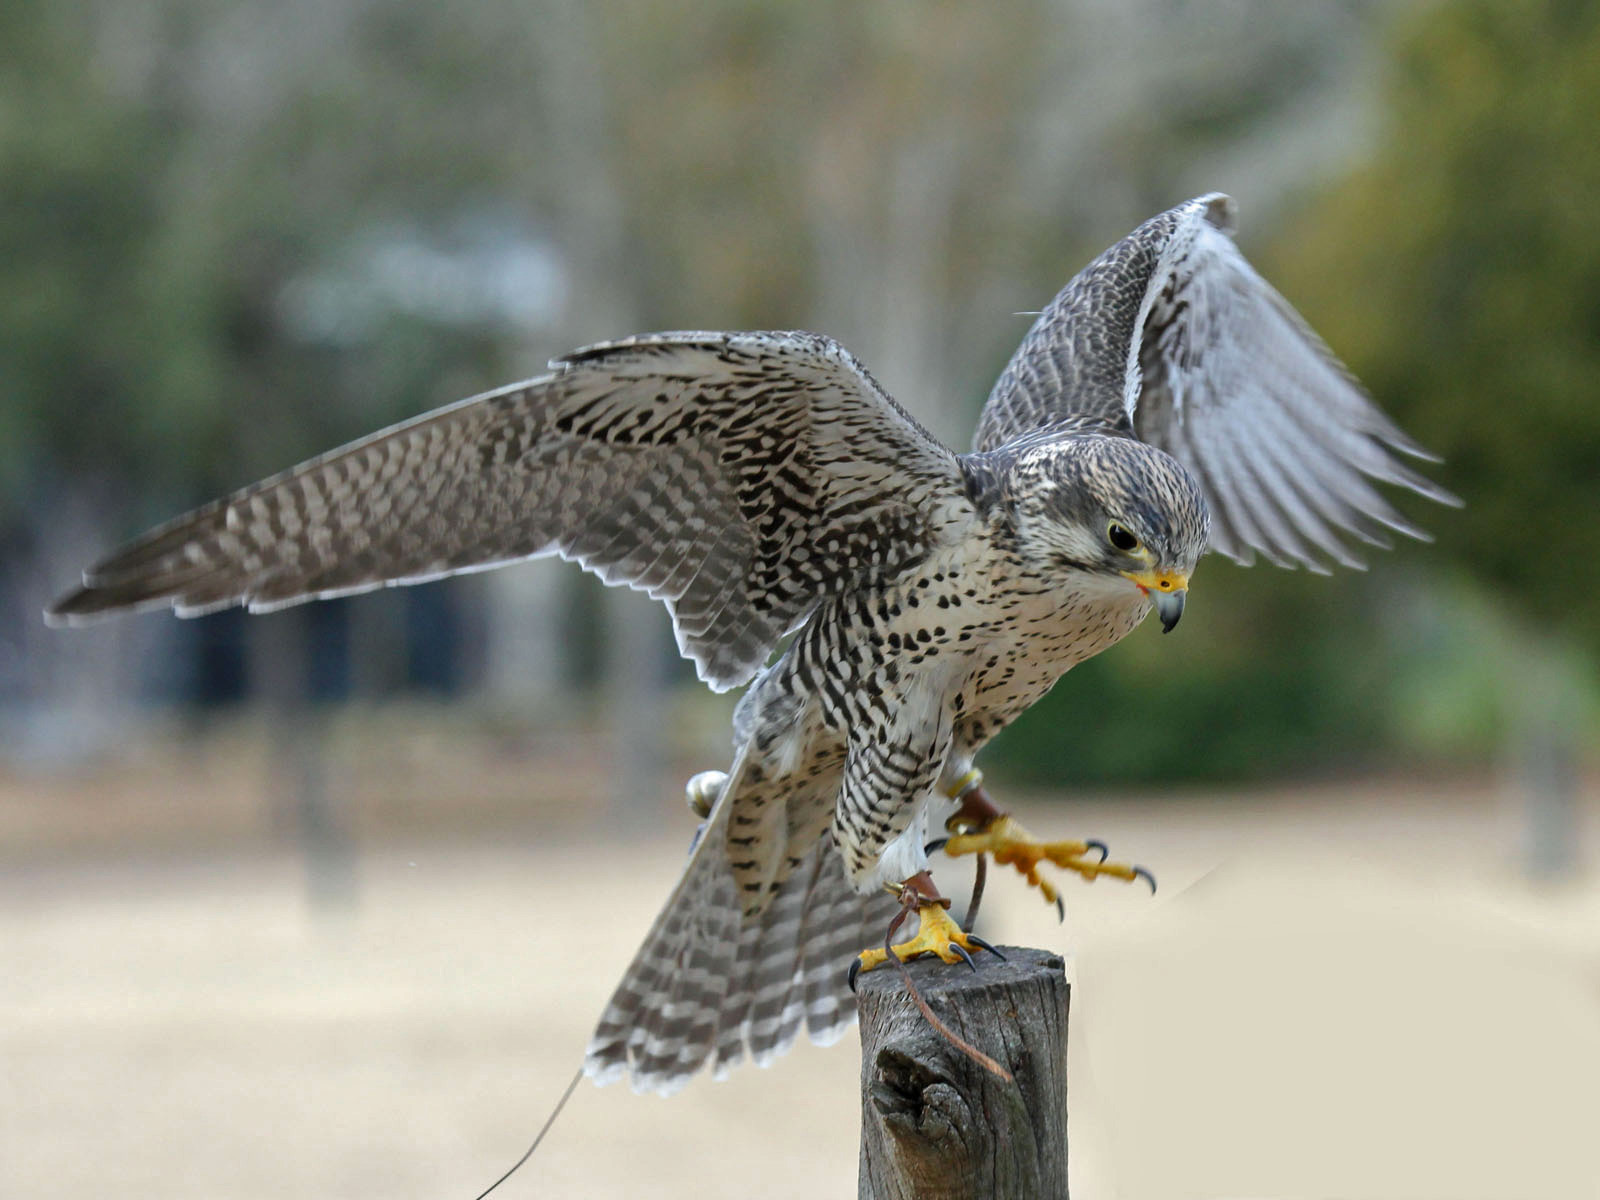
944	1030
549	1121
939	1027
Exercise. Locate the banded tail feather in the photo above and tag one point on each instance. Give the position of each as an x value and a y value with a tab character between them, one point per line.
709	985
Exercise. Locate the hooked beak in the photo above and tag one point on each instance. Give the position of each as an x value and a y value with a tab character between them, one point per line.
1167	590
1169	607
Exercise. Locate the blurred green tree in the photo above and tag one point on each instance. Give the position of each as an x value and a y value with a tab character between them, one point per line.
1459	274
172	172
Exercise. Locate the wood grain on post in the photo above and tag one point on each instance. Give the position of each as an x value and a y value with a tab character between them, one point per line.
936	1125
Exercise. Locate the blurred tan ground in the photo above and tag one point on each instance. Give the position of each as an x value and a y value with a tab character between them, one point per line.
1345	991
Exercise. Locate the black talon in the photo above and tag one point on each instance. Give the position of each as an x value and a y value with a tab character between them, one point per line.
1061	911
938	844
983	945
855	969
1141	873
1097	844
965	957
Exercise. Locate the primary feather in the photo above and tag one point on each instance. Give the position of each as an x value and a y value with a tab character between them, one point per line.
1172	337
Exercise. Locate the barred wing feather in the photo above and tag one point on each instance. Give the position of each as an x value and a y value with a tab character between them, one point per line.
740	478
1172	336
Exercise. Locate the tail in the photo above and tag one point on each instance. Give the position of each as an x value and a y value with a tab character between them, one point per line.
708	985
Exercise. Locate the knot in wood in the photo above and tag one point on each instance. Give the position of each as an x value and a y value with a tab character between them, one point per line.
935	1125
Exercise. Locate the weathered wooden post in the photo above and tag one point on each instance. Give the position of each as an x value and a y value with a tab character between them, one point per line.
938	1125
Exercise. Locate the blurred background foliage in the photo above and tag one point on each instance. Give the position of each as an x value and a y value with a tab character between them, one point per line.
234	235
1459	271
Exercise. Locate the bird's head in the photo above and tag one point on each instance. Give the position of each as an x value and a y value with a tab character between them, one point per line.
1113	513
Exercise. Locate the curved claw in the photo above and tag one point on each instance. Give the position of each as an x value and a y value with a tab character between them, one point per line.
855	969
1097	844
965	957
983	945
936	845
1061	912
1141	873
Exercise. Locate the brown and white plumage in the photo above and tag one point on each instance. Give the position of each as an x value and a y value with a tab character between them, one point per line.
737	477
1171	335
762	485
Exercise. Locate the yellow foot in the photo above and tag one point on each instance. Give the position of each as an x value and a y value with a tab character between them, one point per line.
936	934
1013	845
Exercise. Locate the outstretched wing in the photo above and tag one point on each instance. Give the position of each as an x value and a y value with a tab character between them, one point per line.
1171	335
739	478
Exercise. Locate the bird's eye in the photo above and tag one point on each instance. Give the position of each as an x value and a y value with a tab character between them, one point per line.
1121	537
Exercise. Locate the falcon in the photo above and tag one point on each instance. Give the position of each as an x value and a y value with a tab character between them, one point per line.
778	501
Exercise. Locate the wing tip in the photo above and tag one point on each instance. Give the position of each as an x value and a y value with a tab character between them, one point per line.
1442	495
90	604
93	604
74	609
